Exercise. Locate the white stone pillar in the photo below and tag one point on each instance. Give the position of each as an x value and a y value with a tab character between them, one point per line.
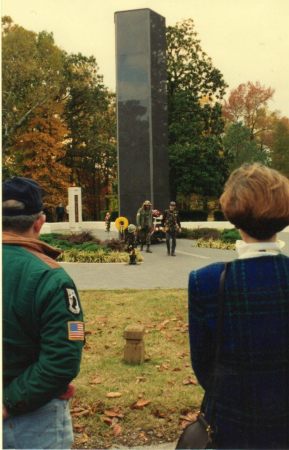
75	208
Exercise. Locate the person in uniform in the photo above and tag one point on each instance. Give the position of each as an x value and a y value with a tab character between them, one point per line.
107	221
131	243
60	211
144	221
172	225
43	328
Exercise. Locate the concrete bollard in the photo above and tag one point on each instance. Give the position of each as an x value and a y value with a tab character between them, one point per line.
134	346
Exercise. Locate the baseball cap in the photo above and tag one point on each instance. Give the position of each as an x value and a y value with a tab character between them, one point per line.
173	203
23	190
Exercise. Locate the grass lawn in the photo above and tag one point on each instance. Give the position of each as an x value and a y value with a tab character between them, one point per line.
121	404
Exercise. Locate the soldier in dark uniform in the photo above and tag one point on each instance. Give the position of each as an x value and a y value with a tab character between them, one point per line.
131	243
172	225
144	221
60	211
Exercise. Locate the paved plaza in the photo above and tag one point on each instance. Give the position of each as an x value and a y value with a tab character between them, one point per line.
156	271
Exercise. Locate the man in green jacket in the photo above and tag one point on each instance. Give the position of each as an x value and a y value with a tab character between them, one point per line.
43	329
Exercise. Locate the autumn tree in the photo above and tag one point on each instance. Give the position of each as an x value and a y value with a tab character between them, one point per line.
32	77
40	152
58	101
280	145
248	104
90	115
195	90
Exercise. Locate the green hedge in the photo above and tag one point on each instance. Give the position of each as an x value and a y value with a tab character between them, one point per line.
197	233
230	235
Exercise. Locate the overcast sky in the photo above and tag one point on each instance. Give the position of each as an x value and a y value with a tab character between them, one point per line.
248	40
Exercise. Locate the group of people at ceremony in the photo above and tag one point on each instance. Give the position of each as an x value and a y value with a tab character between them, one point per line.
170	223
238	317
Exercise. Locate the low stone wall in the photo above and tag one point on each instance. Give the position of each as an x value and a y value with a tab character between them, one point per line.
58	227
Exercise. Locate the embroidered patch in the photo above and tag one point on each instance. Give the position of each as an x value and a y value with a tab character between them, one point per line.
72	301
75	331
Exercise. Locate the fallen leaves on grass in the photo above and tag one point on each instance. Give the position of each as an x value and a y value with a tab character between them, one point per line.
163	367
80	411
190	380
162	325
188	418
159	414
182	355
140	404
106	420
114	412
140	379
83	439
113	394
143	436
78	428
117	430
95	380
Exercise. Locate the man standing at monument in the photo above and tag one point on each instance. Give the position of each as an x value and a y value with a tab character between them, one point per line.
171	223
60	211
43	329
144	221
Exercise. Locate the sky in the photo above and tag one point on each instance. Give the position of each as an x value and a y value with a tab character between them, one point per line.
248	40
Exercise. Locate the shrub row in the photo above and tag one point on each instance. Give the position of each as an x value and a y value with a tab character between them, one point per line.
99	256
82	241
217	244
229	236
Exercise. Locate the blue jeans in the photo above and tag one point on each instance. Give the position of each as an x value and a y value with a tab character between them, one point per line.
48	427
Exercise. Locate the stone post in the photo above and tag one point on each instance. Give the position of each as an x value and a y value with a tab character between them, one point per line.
134	347
75	208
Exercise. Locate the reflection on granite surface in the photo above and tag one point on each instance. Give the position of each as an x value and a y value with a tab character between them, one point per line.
142	110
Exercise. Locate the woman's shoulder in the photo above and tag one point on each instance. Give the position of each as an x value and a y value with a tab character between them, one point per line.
207	277
211	269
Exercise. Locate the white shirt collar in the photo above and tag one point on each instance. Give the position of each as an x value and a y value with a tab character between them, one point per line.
258	249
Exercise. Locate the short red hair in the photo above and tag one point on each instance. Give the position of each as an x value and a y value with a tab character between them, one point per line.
256	200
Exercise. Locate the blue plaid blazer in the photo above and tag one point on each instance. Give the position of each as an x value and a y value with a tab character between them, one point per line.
249	407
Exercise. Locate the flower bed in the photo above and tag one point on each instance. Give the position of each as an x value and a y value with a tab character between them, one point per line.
84	247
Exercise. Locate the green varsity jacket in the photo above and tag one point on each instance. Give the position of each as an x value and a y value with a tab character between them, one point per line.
43	329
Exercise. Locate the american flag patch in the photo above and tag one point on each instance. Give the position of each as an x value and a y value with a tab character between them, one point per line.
75	331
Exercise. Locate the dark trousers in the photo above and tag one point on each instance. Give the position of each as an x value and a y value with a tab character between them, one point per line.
171	236
144	236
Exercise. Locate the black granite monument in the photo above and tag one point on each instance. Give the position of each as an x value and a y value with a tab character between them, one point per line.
143	172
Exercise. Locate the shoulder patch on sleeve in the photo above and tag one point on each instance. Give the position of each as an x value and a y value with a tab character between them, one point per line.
72	301
75	331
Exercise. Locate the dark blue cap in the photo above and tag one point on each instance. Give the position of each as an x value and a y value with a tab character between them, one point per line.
23	190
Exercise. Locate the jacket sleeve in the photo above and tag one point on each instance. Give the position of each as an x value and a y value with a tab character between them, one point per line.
164	218
201	342
60	329
138	219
